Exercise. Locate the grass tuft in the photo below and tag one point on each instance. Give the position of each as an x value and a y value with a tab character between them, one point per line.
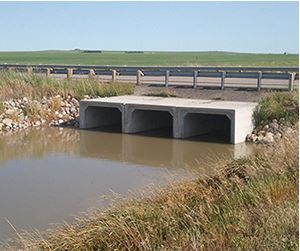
162	93
277	105
33	110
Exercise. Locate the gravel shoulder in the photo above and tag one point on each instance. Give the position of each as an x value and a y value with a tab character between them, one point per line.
229	94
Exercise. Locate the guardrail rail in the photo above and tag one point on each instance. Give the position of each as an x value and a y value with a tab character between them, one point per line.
259	73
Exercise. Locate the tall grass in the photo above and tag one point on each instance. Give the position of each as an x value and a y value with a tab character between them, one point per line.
252	204
277	105
18	85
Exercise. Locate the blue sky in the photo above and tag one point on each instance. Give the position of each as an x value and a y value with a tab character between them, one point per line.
185	26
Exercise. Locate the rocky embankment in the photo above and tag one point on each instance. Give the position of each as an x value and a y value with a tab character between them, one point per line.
16	114
270	132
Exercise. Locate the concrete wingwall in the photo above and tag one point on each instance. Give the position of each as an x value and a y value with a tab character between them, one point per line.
184	122
243	122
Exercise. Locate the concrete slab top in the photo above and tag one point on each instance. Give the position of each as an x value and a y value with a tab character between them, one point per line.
173	102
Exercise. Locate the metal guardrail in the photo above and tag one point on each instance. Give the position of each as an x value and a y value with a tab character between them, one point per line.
280	73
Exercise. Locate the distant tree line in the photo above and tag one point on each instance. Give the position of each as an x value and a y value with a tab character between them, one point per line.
99	51
91	51
134	52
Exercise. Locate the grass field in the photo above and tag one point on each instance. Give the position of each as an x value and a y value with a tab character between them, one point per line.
150	58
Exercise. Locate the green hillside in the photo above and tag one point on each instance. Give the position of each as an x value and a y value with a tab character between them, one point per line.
150	58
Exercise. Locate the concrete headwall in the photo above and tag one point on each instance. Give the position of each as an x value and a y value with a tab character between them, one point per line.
186	117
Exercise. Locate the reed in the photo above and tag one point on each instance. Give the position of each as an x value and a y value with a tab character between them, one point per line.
19	85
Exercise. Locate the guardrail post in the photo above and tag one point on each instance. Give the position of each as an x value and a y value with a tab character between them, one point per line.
29	71
69	72
92	73
139	75
259	77
223	76
113	75
48	72
195	79
167	78
291	80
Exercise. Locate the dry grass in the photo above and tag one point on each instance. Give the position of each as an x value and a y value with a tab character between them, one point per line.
252	204
277	105
18	85
33	110
162	93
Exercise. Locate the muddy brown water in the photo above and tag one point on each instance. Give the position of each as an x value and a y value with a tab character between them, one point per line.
50	175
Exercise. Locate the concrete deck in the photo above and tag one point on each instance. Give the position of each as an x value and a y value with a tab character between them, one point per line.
187	117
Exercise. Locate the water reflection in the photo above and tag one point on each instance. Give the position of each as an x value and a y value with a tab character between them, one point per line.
156	151
134	149
37	143
49	174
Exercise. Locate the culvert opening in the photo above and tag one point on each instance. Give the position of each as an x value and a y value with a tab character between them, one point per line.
152	123
108	119
207	127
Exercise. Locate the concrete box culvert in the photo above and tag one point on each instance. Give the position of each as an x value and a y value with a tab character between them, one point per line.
154	112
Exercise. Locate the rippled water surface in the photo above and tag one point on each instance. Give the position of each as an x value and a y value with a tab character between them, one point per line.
49	175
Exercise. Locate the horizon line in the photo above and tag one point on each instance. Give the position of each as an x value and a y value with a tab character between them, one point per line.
170	51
